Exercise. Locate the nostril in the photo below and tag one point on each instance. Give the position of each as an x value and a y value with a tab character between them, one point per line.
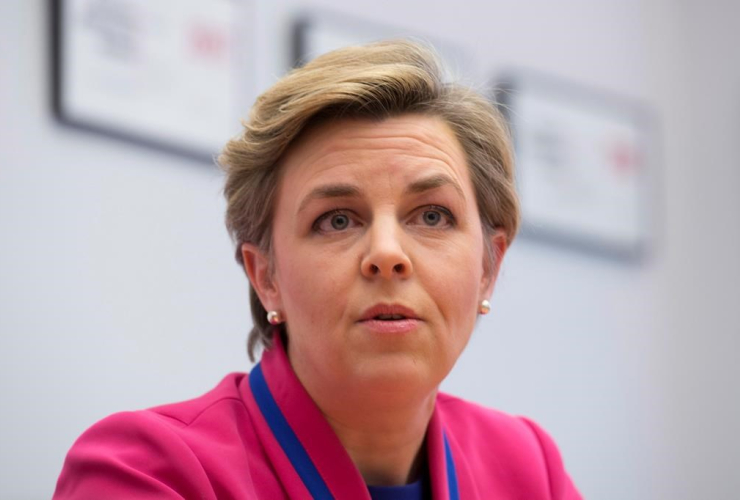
398	269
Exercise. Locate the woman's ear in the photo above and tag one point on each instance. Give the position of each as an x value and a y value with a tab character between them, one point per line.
495	248
258	269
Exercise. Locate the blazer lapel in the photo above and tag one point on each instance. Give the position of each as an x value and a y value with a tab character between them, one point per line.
305	437
442	468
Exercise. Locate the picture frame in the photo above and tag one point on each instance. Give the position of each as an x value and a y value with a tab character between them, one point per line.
586	164
319	31
171	79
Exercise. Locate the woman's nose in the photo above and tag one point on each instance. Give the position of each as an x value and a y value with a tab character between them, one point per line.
385	256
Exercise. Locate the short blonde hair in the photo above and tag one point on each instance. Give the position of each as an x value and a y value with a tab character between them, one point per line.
374	81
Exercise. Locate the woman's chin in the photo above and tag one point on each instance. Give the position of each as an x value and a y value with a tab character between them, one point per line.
396	373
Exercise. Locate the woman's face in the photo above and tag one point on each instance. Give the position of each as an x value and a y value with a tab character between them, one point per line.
379	258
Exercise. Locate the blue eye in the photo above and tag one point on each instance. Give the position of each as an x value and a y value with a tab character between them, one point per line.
335	220
431	217
339	221
435	216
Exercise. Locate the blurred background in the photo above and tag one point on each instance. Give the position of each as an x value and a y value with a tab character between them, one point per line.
118	288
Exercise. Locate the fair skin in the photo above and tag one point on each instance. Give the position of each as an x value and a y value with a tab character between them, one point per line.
367	213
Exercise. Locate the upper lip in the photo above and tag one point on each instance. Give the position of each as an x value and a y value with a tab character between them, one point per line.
379	309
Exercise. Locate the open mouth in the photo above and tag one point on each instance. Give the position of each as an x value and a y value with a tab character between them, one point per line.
389	317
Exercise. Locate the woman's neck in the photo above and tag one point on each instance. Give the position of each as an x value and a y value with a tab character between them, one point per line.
381	421
386	445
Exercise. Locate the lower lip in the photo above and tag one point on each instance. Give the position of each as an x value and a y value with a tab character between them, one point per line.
393	326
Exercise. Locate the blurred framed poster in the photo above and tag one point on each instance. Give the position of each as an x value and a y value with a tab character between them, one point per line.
317	32
585	164
166	74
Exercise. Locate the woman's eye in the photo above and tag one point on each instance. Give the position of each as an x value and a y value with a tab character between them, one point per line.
333	221
437	217
339	221
431	217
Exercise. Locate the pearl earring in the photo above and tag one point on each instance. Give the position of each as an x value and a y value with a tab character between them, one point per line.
485	307
273	317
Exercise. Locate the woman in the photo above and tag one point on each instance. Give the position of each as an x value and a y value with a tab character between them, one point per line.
372	205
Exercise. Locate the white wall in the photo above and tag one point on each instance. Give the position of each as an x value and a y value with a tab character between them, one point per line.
697	341
118	289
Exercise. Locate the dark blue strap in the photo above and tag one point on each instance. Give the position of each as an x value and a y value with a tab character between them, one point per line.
413	491
451	474
286	437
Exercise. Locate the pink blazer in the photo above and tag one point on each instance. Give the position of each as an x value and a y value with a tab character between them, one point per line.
260	436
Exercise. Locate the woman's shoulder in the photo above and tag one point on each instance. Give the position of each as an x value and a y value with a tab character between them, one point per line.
158	451
185	413
469	420
186	419
516	443
462	413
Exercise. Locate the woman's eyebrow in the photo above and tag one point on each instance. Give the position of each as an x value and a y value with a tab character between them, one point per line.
434	182
352	191
330	191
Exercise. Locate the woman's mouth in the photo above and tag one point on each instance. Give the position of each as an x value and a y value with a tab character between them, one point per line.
390	318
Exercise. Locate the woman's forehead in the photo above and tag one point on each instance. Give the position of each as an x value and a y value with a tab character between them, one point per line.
408	146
